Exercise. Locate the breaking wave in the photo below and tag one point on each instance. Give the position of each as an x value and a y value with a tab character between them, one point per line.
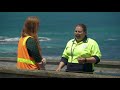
14	40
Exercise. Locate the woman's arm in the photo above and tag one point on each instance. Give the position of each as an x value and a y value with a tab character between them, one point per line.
93	59
62	63
33	49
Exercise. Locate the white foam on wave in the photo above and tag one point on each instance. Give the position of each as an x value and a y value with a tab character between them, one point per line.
111	39
6	40
44	39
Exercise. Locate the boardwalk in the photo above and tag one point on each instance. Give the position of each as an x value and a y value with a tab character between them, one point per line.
103	70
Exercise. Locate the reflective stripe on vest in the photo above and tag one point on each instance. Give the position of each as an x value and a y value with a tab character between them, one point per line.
26	39
26	61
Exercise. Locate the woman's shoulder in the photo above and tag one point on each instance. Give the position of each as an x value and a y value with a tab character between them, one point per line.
30	40
92	40
71	40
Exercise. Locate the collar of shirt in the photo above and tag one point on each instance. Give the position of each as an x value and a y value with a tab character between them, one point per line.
82	41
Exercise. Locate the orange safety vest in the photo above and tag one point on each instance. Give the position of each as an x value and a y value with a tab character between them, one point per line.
24	61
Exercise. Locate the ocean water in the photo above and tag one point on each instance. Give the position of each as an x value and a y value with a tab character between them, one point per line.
56	28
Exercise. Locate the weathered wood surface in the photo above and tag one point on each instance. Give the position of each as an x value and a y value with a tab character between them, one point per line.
49	74
103	63
8	69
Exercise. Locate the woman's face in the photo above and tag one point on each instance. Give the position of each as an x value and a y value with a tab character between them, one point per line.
79	33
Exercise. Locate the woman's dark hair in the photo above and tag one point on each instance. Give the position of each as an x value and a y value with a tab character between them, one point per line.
83	26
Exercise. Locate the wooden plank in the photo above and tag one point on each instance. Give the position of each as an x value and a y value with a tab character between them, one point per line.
103	63
8	69
49	74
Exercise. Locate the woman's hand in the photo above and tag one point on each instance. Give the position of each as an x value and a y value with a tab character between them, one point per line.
42	64
58	69
60	66
44	61
81	60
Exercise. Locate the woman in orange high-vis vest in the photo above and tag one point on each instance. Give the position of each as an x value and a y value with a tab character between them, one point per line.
29	51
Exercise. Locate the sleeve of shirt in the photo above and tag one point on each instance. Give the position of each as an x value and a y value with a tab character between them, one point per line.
65	60
33	49
65	52
95	51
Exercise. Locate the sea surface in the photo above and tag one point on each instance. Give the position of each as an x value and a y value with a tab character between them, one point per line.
56	28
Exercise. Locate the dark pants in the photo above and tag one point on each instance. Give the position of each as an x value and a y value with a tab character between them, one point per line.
75	67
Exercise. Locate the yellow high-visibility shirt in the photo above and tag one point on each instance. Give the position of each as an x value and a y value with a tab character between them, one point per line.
85	49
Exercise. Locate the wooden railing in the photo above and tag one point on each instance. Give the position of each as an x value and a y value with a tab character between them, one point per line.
10	71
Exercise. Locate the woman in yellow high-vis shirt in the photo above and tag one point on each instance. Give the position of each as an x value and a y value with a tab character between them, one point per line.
80	53
29	52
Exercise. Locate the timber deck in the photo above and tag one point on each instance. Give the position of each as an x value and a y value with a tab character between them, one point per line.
105	69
